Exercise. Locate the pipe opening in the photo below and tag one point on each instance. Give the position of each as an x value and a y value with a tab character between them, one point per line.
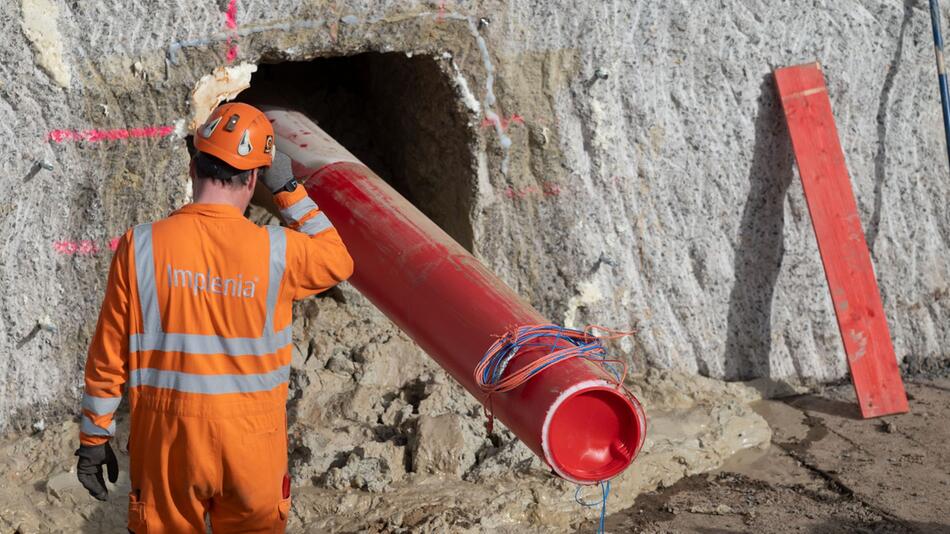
400	115
611	438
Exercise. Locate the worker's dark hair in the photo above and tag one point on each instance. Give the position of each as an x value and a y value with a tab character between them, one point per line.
208	166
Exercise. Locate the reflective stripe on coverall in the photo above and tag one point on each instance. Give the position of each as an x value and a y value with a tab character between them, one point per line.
196	326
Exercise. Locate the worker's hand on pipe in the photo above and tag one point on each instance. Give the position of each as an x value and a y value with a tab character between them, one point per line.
279	174
89	468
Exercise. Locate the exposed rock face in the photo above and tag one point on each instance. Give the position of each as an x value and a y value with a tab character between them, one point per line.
619	162
649	176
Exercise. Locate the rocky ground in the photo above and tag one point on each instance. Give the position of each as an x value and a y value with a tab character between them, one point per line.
376	446
420	462
826	471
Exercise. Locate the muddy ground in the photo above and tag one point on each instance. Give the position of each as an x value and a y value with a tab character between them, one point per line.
448	476
826	471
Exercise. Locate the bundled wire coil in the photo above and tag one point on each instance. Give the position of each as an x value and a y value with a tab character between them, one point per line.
558	344
563	344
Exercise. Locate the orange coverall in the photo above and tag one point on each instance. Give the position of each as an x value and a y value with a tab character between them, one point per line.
196	328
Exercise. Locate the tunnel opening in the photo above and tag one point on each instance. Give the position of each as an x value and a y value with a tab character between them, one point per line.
399	115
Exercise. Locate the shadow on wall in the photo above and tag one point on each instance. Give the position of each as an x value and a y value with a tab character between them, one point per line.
880	159
761	247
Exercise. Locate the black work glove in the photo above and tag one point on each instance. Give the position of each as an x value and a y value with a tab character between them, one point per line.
89	468
279	174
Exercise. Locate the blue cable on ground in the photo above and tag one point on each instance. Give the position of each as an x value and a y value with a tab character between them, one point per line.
605	492
561	344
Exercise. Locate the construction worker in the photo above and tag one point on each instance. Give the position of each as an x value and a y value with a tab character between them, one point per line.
196	328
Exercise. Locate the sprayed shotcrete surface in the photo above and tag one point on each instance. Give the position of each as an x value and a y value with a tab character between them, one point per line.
648	181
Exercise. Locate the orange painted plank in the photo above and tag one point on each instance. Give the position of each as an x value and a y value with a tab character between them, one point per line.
844	251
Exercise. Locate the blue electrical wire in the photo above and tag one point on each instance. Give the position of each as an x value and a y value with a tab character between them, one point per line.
605	492
588	347
566	343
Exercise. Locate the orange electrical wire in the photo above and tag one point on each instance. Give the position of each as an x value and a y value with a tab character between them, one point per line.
492	376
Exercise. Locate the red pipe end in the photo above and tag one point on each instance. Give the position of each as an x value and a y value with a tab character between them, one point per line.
592	432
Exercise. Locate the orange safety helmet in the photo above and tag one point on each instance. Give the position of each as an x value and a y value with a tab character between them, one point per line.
238	134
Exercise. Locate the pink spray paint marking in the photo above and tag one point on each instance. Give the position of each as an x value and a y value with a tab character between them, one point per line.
440	17
547	189
230	20
232	51
550	189
68	247
95	136
76	248
230	16
505	123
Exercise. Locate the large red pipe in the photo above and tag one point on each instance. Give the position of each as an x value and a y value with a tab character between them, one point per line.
454	308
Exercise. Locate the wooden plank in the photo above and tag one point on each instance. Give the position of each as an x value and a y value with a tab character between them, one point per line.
841	242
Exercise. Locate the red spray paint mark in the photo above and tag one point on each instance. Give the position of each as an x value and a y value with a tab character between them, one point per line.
68	247
232	51
440	17
230	20
230	16
95	136
505	123
547	189
73	248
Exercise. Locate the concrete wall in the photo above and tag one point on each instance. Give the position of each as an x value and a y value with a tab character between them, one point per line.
648	180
